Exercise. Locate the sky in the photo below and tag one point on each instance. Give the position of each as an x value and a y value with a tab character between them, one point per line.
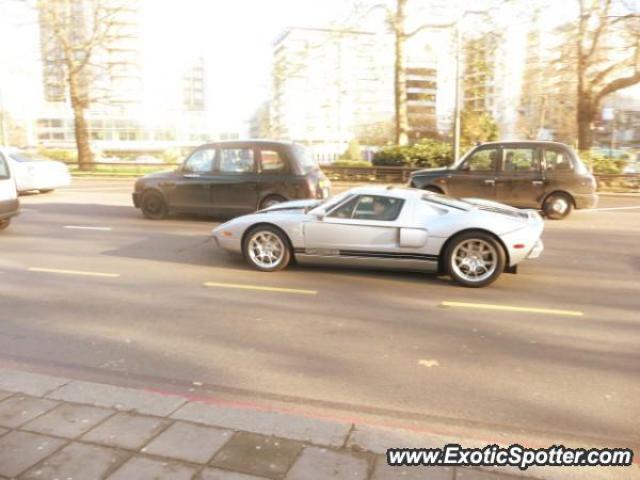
234	37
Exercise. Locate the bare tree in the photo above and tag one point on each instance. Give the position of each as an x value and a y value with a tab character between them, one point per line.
607	59
397	20
75	32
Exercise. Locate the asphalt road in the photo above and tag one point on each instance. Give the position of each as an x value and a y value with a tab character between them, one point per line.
374	344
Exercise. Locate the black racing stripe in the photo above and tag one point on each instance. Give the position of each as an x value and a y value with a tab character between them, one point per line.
398	255
369	254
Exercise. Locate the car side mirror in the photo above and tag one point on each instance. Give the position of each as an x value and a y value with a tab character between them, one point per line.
319	213
465	167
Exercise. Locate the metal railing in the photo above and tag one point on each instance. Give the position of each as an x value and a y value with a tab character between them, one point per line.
610	182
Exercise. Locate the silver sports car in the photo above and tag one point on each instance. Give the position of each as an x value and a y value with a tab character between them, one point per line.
472	240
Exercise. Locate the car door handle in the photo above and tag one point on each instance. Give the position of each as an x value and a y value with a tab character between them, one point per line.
490	181
537	182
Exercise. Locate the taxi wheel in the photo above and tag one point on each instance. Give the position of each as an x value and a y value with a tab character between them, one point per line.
557	206
270	201
153	205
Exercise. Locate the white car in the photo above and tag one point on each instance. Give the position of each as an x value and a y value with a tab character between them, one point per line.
471	240
9	204
34	172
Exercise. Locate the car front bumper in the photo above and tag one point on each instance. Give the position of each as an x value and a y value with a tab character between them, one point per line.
135	196
227	239
586	200
9	208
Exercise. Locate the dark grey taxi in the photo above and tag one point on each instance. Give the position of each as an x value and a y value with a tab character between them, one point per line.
232	178
527	174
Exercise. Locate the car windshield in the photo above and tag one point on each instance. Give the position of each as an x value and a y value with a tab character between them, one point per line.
447	201
332	202
307	162
27	157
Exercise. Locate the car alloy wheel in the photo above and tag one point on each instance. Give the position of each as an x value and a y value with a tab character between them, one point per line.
475	259
267	249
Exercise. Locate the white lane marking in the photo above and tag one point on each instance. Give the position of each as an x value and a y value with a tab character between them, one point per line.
81	227
604	209
260	288
73	272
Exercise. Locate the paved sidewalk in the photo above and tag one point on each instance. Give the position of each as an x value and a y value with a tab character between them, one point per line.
59	428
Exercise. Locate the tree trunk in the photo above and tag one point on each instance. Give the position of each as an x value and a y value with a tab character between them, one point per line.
78	104
402	115
585	115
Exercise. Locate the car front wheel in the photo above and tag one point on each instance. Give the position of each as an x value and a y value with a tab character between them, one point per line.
475	259
266	249
153	206
557	206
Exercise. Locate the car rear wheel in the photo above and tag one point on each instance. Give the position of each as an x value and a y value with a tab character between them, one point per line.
475	259
266	249
5	223
270	201
153	206
557	206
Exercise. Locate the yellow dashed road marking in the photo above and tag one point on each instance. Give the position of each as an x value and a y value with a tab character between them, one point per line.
260	288
84	227
74	272
509	308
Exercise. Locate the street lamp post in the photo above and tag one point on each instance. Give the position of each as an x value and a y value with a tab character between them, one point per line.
456	124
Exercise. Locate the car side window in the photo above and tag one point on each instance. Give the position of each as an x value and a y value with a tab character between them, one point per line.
370	207
237	160
519	160
484	160
272	162
557	161
4	168
200	161
345	210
